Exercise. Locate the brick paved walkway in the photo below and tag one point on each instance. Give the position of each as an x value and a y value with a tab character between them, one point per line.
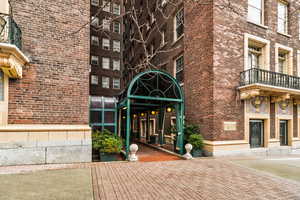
149	154
206	179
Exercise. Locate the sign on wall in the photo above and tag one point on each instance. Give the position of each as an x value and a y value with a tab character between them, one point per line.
229	126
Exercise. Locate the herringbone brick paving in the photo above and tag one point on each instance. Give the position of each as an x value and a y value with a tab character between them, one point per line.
207	179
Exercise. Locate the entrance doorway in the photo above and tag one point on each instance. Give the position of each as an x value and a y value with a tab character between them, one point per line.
283	132
256	133
145	103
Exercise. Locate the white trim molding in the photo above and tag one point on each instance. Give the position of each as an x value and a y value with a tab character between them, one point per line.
290	57
266	50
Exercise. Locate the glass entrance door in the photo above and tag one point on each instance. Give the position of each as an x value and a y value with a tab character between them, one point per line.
283	132
256	133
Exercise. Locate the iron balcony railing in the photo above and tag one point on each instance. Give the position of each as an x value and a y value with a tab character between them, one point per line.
10	32
266	77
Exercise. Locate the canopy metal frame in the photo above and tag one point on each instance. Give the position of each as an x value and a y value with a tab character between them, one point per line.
153	88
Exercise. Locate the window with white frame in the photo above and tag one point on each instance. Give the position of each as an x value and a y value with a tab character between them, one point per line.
1	85
116	46
95	21
94	80
116	9
105	44
95	2
298	63
105	63
255	11
95	40
163	3
106	6
116	83
283	62
179	67
299	26
117	27
94	60
106	24
116	65
284	59
282	17
179	24
163	35
254	56
256	52
105	82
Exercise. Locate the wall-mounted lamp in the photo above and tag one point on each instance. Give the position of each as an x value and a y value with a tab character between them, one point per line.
169	109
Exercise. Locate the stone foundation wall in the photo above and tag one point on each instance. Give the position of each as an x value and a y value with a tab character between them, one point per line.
20	145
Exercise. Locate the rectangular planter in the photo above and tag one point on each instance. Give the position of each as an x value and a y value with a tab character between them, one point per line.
108	157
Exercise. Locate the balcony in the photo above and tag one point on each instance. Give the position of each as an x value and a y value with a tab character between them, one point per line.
12	59
9	31
259	82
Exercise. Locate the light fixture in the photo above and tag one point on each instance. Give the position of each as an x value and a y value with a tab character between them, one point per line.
124	108
142	114
134	116
153	112
169	109
124	117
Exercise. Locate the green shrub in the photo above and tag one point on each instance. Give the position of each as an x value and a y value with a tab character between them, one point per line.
106	142
196	140
190	129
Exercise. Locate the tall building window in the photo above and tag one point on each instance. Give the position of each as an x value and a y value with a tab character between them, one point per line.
94	60
283	62
1	86
106	6
282	17
105	82
299	25
106	24
117	27
105	44
254	57
95	21
179	24
116	65
95	40
116	9
105	63
255	11
179	67
163	35
94	80
116	83
116	46
95	2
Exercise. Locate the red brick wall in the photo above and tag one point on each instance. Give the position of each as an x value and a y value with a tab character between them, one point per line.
198	72
55	87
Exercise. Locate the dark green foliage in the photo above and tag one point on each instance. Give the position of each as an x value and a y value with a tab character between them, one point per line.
196	140
106	142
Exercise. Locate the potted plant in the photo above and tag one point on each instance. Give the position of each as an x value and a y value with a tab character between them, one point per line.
108	145
197	141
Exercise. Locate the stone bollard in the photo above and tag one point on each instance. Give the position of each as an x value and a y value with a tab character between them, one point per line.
188	148
132	155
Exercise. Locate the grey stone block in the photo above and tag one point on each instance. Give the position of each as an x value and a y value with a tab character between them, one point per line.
22	156
69	154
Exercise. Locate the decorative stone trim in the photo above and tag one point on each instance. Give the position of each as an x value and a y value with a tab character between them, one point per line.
12	60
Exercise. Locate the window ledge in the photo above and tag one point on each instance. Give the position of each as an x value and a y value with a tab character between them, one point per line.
256	24
284	34
178	39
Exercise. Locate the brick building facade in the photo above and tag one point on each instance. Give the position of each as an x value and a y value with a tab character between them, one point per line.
44	83
241	68
106	48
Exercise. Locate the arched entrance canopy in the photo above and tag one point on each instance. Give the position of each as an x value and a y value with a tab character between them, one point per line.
152	89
